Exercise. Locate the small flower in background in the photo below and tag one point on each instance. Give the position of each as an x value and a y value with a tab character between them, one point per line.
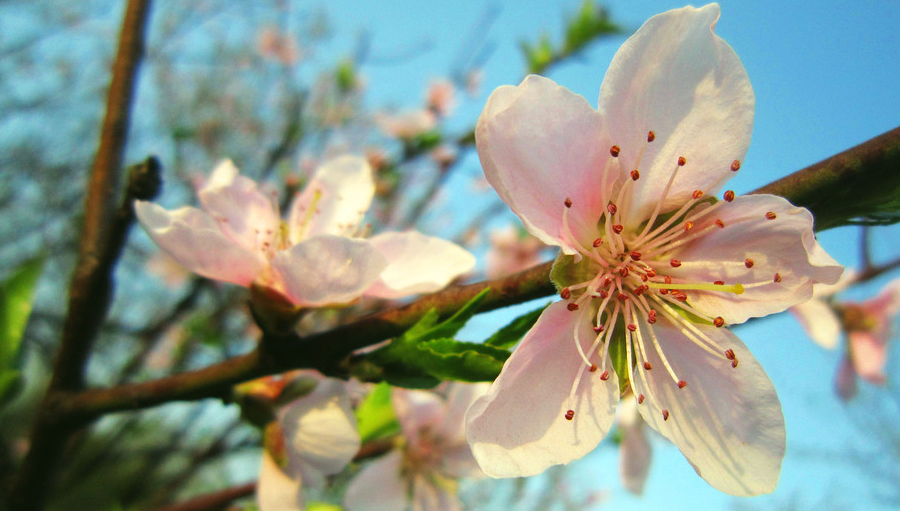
406	125
440	98
313	259
652	266
512	250
867	326
314	437
278	46
422	473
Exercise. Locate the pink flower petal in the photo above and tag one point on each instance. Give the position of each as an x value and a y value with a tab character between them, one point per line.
539	144
379	486
750	250
341	192
726	421
820	322
277	491
519	428
417	410
868	355
417	264
674	76
328	269
244	213
634	452
193	239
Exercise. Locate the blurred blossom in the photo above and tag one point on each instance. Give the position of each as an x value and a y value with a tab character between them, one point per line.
651	268
406	125
422	473
473	82
440	98
276	45
512	250
444	155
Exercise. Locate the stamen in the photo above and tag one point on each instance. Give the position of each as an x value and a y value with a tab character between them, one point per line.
735	166
700	286
570	415
770	215
614	151
748	263
572	306
648	366
681	384
665	414
635	175
565	294
719	322
651	136
729	195
681	161
604	376
777	278
640	399
310	211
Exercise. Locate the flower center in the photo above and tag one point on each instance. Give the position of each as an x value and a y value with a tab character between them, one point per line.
623	281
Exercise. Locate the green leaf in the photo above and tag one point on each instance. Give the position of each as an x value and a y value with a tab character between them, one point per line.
449	359
509	335
591	22
16	299
375	416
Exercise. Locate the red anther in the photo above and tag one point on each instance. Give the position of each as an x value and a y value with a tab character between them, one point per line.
570	415
688	225
681	161
607	281
640	399
644	277
651	273
770	215
675	264
638	291
611	208
719	282
668	278
568	202
697	194
748	263
720	224
603	293
648	366
719	322
623	271
729	354
565	294
651	316
729	195
622	297
597	329
614	151
618	228
635	175
777	277
597	242
572	306
604	376
680	296
735	165
681	384
663	291
651	136
734	364
636	256
593	368
631	327
665	414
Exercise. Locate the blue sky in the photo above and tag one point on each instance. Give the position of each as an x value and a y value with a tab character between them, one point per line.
825	78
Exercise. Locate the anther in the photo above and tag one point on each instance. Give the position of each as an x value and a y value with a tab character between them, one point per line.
720	224
734	364
622	297
665	414
572	306
597	329
638	291
618	228
688	225
570	415
675	264
770	215
697	194
680	296
777	278
651	273
597	242
729	354
623	271
681	161
603	293
611	208
651	316
565	294
568	202
631	327
640	399
593	368
651	136
748	263
681	384
635	175
648	366
668	277
614	151
719	322
735	166
729	195
635	256
719	282
604	376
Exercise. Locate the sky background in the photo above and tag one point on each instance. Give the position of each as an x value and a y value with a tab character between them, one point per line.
824	75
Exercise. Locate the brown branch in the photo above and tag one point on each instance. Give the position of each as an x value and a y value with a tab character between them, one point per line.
213	501
103	235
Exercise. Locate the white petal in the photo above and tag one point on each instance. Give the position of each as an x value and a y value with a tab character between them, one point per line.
276	491
674	76
539	144
417	410
321	429
634	452
785	245
379	486
727	421
519	427
328	269
341	192
245	214
820	322
427	496
417	263
193	239
459	398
